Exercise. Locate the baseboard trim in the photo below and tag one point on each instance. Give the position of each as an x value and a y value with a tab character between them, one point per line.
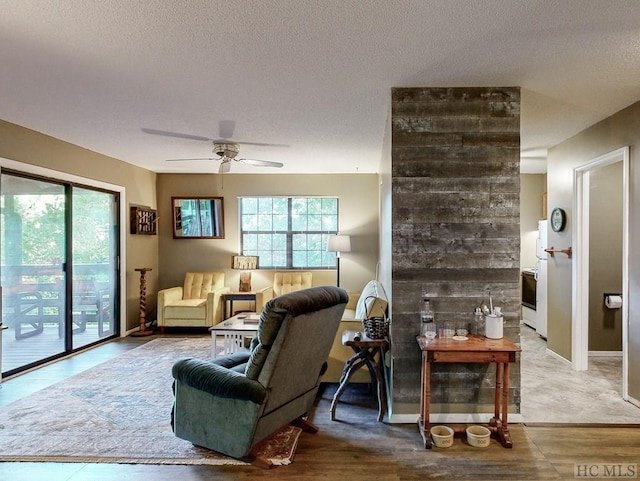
559	357
453	418
605	353
633	401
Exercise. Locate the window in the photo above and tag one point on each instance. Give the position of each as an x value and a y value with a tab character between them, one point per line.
289	232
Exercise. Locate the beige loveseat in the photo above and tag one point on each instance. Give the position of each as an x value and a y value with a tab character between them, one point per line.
197	303
372	301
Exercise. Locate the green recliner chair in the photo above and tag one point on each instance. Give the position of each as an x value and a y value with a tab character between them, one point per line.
230	404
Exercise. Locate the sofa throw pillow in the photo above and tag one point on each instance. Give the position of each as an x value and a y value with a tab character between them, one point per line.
372	301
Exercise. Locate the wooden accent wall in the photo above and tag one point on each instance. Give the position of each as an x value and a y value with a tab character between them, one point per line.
456	228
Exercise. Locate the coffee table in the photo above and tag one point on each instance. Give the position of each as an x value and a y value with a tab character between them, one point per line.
234	333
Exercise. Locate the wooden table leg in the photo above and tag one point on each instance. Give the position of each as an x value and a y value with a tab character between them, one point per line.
425	400
499	422
498	392
374	368
352	365
505	437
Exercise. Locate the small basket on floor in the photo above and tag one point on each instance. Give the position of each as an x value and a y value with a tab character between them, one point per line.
376	327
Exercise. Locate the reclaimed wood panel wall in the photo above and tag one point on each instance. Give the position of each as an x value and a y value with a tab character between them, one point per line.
456	227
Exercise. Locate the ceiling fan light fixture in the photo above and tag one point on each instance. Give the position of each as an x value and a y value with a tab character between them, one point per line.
228	150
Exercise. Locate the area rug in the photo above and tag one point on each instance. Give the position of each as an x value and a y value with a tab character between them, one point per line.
118	412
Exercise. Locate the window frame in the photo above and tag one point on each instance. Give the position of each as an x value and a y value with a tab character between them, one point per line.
329	259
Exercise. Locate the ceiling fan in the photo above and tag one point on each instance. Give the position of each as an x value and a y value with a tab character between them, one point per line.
226	150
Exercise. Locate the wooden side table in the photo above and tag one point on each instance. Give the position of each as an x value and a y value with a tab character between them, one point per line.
365	350
474	349
230	297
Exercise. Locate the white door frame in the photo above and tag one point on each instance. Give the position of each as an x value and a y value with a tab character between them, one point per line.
580	269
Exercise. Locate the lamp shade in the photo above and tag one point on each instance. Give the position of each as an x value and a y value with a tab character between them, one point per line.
339	243
244	263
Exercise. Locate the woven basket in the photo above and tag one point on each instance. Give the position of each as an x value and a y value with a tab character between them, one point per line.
376	327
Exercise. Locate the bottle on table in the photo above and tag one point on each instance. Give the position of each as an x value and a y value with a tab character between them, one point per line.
427	321
478	327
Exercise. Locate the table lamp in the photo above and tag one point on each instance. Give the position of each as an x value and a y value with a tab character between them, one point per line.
338	244
245	264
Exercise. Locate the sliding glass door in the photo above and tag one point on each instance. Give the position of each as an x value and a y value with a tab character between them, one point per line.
94	252
59	270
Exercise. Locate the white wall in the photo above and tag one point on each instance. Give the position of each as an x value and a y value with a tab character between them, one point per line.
532	186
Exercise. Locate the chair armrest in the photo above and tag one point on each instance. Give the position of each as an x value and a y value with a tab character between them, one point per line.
354	296
218	380
168	295
214	305
263	296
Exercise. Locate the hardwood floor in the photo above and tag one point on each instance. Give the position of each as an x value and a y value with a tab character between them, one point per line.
355	446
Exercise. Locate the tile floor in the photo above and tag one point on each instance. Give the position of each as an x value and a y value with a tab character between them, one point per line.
554	393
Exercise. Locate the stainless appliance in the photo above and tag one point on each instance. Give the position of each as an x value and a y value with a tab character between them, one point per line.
529	293
529	290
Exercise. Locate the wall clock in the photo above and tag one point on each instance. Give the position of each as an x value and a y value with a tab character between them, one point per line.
558	219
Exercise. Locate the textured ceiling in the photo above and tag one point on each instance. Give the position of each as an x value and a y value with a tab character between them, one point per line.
314	75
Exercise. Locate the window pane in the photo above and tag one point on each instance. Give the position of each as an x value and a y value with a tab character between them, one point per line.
314	222
249	205
300	259
314	242
299	242
298	223
329	206
265	205
264	222
249	222
249	243
280	242
330	223
281	206
279	259
265	258
264	242
314	206
281	222
299	205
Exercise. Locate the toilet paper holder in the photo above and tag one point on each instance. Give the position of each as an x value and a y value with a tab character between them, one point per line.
607	298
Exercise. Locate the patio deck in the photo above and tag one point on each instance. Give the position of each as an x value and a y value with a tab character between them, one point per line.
27	350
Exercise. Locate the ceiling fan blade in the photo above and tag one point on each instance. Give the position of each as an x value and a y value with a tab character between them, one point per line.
260	144
182	160
224	167
166	133
261	163
226	128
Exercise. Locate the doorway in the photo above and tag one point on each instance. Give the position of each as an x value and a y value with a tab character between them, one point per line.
581	266
60	276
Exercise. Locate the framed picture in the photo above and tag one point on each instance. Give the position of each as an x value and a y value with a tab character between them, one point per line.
144	220
198	217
